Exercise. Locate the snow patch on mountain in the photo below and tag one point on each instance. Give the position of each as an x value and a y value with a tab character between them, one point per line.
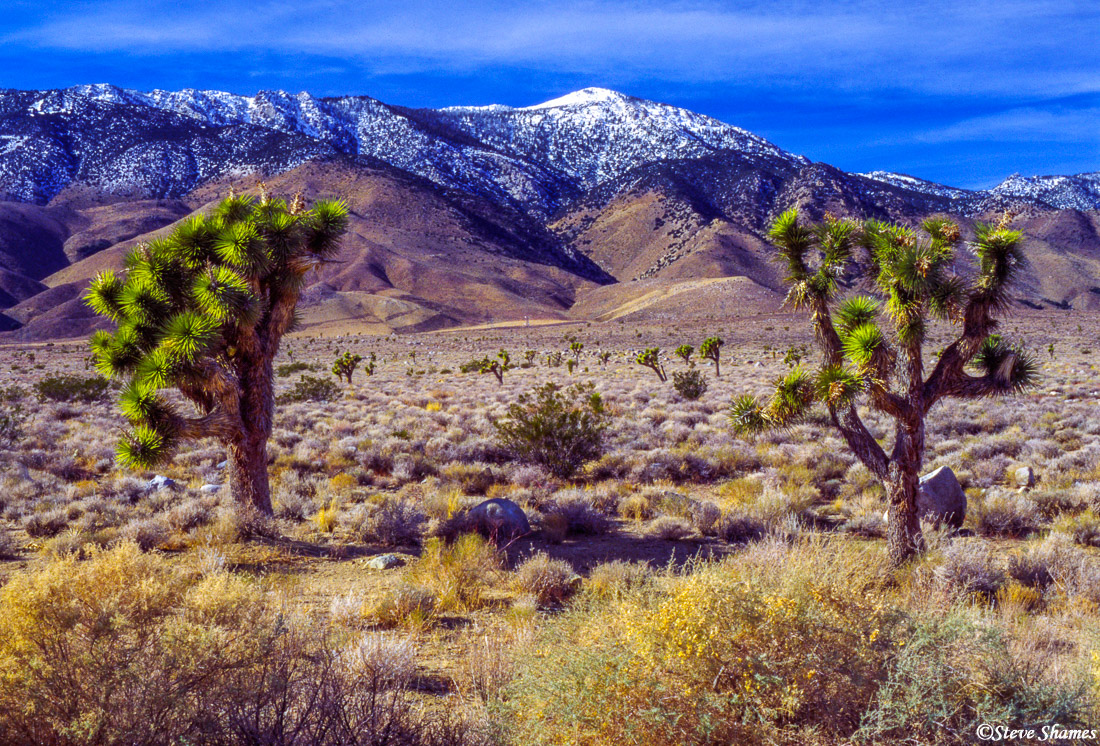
904	181
1077	192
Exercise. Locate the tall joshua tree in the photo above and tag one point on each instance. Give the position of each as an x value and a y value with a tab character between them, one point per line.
203	311
872	352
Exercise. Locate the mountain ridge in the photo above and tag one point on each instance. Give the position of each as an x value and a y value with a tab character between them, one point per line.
586	189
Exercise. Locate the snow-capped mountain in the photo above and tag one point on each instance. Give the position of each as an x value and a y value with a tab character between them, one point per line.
537	158
596	134
1079	192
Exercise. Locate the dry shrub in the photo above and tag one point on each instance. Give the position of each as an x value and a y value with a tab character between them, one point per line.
1083	528
970	569
9	547
189	515
555	527
406	605
550	581
1001	514
486	665
46	523
735	652
581	516
636	507
125	648
705	516
669	528
458	573
617	578
393	522
147	533
473	479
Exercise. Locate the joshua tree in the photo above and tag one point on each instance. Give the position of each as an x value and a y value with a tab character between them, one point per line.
496	367
604	356
576	347
650	358
530	356
369	368
571	365
873	354
203	311
345	366
684	352
711	349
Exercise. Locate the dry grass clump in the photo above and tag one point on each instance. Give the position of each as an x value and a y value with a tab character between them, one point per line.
577	509
147	533
46	523
616	578
970	569
406	605
784	643
670	528
550	581
1003	514
123	646
1083	528
393	522
458	574
722	648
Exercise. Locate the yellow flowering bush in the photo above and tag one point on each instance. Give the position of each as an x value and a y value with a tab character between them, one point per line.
730	652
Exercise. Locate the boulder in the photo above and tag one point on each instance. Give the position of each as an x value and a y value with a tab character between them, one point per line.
160	482
209	489
499	520
941	498
384	562
1025	477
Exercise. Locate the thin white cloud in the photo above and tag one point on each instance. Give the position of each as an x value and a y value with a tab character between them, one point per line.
1024	125
1004	48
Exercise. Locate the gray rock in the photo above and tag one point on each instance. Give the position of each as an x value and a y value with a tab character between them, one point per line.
941	498
222	464
210	489
499	520
160	482
384	562
1025	477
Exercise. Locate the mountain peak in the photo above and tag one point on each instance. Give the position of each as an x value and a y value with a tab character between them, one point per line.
583	97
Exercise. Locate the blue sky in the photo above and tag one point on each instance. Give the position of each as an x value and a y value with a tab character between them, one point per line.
959	92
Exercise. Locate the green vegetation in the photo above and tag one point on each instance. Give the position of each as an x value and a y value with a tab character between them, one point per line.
288	369
311	388
345	366
555	428
711	349
875	355
204	311
497	367
72	388
690	384
650	358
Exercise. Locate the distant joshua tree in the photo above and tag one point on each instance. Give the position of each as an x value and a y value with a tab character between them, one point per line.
345	366
873	353
651	358
497	367
711	349
203	311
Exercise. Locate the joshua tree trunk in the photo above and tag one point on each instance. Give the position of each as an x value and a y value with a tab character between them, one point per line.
247	450
247	468
903	534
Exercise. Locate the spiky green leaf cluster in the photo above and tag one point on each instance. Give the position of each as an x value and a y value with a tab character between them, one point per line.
1010	368
220	286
